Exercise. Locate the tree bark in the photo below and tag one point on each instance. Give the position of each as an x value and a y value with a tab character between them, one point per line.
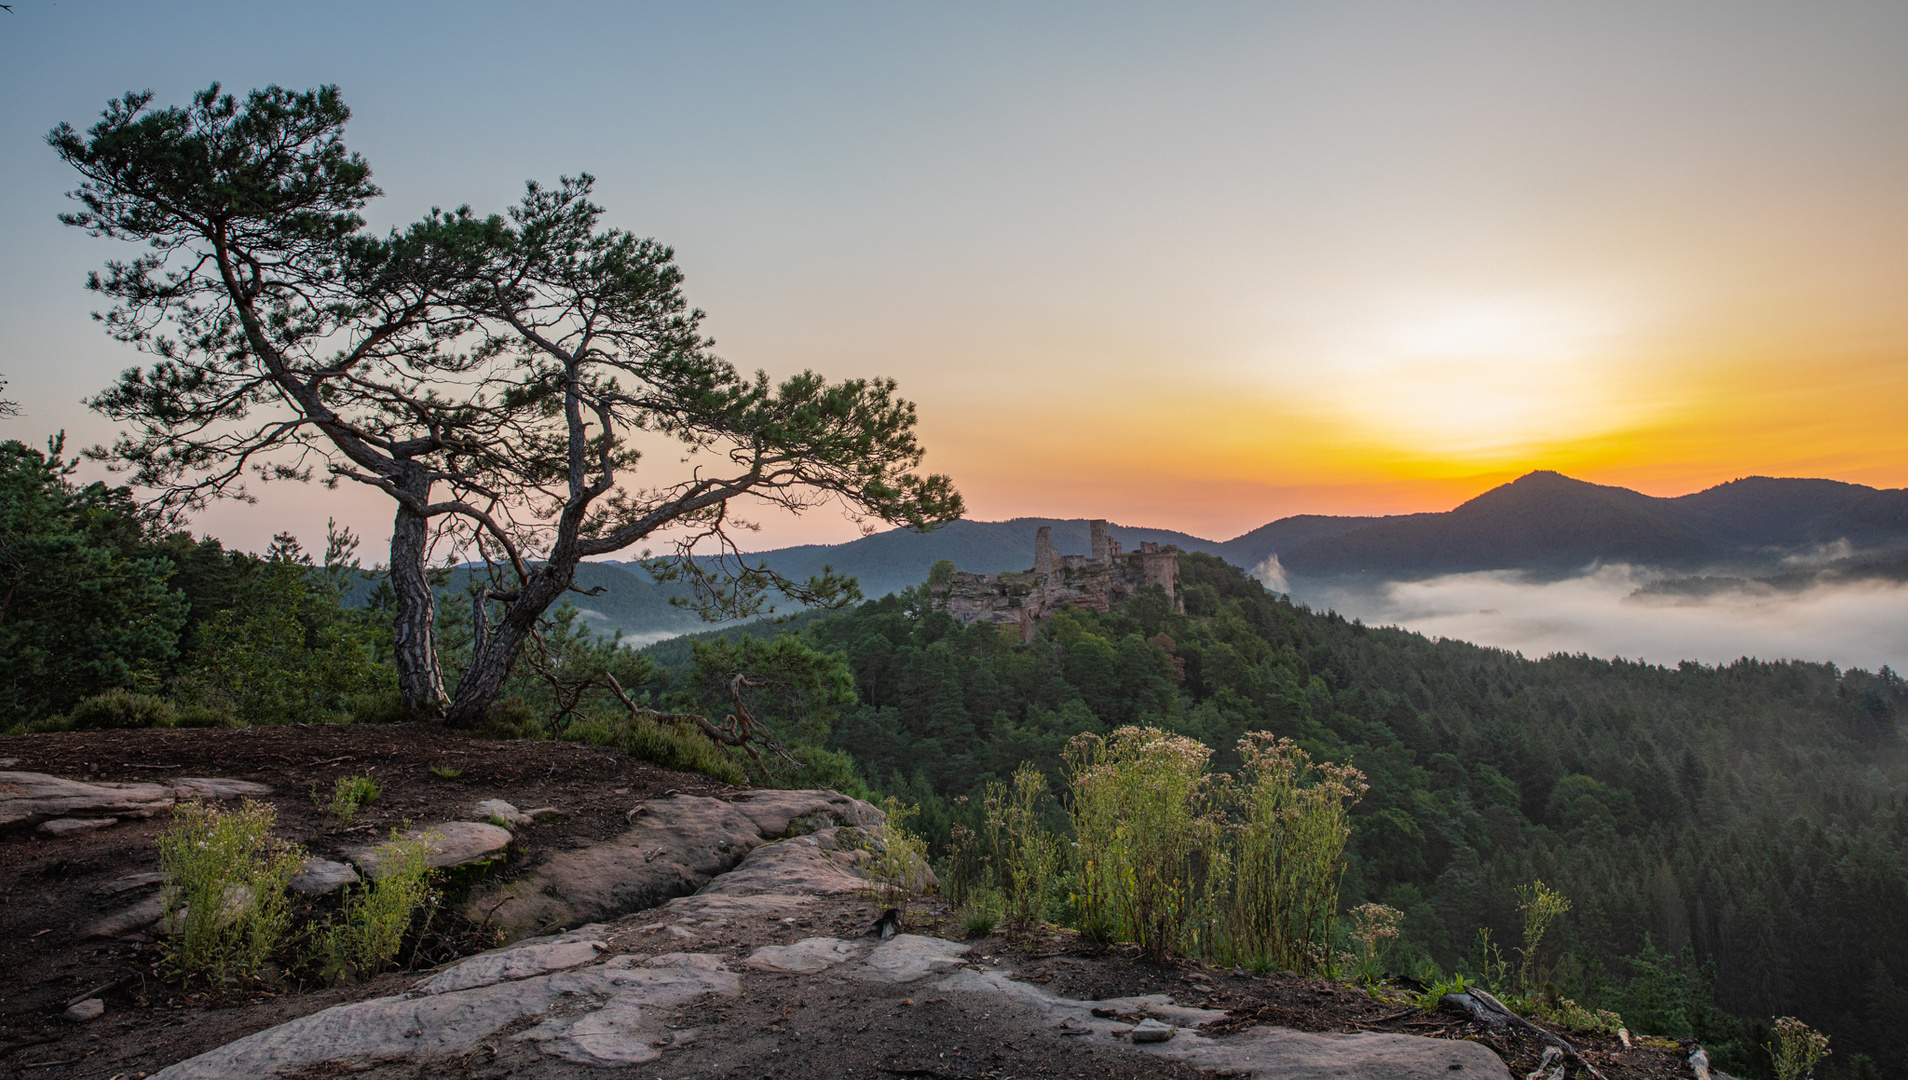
420	680
490	665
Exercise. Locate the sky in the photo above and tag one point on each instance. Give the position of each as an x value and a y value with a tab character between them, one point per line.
1194	266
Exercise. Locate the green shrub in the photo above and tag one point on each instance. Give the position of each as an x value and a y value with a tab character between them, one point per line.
446	772
1025	854
899	869
513	718
1375	928
1540	905
821	768
287	652
966	866
1140	819
121	708
1565	1013
1295	821
1433	995
668	745
349	794
377	707
379	913
227	901
1797	1049
195	715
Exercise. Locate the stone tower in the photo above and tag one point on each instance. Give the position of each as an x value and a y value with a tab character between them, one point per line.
1101	553
1044	560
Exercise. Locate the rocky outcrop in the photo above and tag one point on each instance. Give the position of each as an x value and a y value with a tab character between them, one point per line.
530	980
28	799
1096	582
673	847
447	844
560	1001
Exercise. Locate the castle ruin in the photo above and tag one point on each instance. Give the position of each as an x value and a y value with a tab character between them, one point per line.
1096	582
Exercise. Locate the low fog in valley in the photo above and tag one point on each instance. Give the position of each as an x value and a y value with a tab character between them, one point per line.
1604	613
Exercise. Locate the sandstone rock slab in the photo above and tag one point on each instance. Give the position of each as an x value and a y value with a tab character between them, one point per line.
67	826
674	846
322	877
499	810
1150	1030
800	865
805	957
137	917
127	884
215	788
451	843
81	1011
777	813
1261	1051
28	798
520	961
625	1009
631	1025
906	958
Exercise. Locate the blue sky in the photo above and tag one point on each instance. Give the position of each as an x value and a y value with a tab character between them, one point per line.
1193	266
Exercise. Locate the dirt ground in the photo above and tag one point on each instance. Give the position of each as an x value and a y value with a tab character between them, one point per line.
51	890
783	1026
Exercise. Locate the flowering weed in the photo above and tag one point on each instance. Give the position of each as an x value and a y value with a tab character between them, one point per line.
227	901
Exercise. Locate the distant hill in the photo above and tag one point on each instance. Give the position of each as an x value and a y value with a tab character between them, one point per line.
889	561
1286	533
1550	523
1543	522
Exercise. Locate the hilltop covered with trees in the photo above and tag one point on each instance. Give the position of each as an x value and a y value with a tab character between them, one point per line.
1733	839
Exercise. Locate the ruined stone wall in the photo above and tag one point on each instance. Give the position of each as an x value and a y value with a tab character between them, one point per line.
1096	582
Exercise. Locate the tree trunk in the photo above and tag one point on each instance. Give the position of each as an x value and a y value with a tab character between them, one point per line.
490	665
420	681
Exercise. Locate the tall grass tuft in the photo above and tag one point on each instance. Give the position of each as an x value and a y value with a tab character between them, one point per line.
351	794
228	898
668	745
1295	819
1375	928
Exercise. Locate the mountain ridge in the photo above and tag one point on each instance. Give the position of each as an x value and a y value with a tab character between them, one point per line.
1549	523
1543	522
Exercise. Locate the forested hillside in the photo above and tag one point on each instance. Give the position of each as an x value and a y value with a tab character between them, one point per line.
1732	837
1742	826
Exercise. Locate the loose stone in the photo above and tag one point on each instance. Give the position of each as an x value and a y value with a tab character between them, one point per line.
1150	1030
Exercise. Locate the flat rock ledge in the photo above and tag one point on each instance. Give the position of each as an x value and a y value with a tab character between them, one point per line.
448	844
673	847
29	799
576	1005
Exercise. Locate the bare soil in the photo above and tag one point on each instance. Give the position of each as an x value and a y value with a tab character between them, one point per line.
783	1026
53	889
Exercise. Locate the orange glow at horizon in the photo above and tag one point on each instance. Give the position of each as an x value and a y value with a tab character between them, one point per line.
1220	463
